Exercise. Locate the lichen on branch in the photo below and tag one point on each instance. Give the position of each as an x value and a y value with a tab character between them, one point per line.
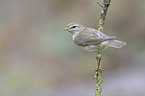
98	73
106	4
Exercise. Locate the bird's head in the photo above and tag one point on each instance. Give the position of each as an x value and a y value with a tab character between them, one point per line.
74	27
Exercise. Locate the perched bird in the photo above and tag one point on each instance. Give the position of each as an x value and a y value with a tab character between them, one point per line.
92	40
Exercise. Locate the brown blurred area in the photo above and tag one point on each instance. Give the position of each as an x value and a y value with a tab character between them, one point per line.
38	59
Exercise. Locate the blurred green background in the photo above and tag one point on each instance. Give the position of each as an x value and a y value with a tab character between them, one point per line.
38	59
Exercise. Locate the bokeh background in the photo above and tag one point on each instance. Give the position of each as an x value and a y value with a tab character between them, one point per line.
38	59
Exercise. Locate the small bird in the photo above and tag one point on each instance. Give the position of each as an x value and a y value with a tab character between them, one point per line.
92	40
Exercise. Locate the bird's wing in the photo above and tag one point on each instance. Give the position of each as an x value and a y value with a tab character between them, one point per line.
91	36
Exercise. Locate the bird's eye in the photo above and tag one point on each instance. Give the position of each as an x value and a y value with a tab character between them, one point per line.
74	26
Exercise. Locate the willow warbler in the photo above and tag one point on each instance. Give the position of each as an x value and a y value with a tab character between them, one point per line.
92	40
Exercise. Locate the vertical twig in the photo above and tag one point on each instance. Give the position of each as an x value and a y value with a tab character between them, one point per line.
98	75
106	4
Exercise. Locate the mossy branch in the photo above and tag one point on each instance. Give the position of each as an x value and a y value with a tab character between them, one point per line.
99	70
106	4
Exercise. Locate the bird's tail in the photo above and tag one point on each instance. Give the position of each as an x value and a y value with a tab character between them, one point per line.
115	43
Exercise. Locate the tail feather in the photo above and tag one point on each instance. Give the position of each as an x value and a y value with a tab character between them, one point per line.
115	43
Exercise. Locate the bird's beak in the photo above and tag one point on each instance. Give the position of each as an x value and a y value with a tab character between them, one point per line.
66	29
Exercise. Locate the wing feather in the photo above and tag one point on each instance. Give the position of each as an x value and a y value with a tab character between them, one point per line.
90	36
